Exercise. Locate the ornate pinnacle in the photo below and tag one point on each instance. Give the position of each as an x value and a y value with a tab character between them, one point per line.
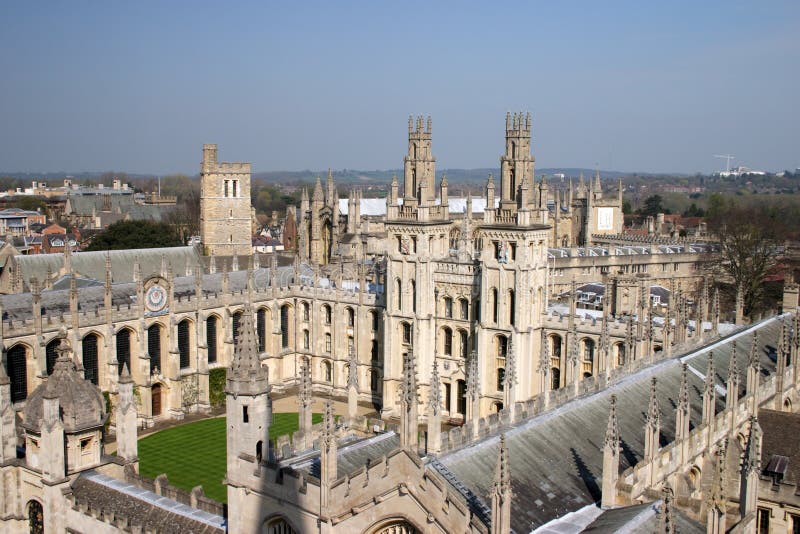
612	430
667	514
328	426
751	461
502	478
754	360
472	377
683	395
544	360
653	412
352	368
435	397
733	368
408	389
511	364
710	376
716	497
304	393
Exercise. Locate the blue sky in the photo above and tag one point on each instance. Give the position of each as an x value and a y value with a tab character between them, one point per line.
635	86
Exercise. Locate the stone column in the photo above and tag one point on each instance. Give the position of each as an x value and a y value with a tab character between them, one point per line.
611	458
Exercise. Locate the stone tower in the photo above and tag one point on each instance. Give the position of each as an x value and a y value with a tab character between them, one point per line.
419	165
225	218
516	165
249	414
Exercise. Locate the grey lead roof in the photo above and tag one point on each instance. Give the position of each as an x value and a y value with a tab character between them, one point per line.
556	458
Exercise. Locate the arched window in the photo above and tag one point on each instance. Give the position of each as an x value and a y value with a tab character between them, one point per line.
35	517
447	335
405	329
399	292
447	398
211	338
374	353
259	451
17	372
448	307
154	347
261	329
555	373
285	326
620	353
306	340
501	378
328	343
461	394
184	347
306	312
374	319
511	307
124	349
51	354
235	320
555	347
495	305
413	296
502	346
89	351
326	311
464	304
278	525
351	317
464	343
327	371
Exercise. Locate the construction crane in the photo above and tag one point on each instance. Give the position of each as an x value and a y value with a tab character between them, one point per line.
727	158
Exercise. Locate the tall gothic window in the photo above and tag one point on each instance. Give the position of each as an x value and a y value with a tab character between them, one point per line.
183	344
89	350
326	311
448	307
154	346
511	306
284	326
17	372
211	338
51	354
351	317
448	341
124	349
261	328
464	309
464	344
235	320
495	305
413	296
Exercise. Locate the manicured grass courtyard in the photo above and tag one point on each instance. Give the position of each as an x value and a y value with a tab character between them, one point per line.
194	454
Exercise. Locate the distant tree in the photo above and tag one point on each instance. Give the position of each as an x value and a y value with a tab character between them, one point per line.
30	203
653	205
694	211
750	239
136	234
185	217
626	207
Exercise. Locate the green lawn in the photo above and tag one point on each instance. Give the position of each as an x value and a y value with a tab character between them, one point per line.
194	454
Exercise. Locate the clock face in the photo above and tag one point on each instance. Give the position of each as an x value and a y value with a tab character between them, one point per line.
156	298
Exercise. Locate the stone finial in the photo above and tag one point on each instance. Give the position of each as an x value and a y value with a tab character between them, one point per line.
125	375
510	378
667	519
612	428
304	392
246	372
683	394
501	492
710	380
473	377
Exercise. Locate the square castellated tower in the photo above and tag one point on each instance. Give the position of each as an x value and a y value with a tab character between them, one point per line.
225	219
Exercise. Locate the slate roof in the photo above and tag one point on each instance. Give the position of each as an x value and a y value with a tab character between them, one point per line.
92	265
140	507
122	206
556	458
642	518
780	440
351	455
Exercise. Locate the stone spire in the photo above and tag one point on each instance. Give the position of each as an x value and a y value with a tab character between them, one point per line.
544	370
408	404
246	375
605	345
8	430
715	313
435	410
652	424
501	492
611	457
753	372
328	464
750	470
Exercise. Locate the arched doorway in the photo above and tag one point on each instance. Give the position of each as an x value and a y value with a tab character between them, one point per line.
156	395
35	517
